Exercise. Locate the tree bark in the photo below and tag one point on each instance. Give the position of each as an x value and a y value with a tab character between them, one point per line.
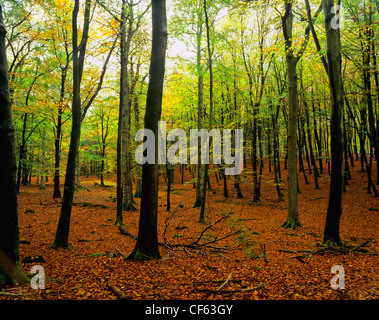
126	36
10	269
147	241
200	107
206	176
292	220
43	161
58	137
334	211
61	236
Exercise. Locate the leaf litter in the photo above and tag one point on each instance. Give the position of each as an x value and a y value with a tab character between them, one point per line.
239	253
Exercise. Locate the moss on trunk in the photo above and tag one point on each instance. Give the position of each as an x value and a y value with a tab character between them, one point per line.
291	223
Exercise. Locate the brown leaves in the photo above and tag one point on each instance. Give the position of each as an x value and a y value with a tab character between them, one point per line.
257	264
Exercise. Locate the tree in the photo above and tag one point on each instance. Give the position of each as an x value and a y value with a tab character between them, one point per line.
10	269
334	55
209	50
257	81
128	30
78	114
292	59
78	54
147	240
187	24
201	169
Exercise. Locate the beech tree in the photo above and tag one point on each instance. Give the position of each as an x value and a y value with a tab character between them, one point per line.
147	240
78	114
334	55
61	236
292	59
10	269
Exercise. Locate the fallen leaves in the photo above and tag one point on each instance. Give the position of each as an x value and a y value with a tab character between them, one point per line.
239	253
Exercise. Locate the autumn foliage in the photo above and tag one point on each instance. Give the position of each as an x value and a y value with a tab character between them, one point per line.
246	255
80	79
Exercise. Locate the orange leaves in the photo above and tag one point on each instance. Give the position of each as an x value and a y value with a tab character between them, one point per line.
93	264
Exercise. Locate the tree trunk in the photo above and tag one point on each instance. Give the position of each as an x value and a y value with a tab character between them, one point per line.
292	220
10	269
61	236
58	137
147	241
200	108
43	161
313	160
170	176
138	191
367	74
276	160
206	176
334	212
22	154
126	36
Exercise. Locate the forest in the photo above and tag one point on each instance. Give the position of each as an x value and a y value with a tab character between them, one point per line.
189	150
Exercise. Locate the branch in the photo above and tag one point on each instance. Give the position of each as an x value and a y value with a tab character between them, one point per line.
119	294
99	85
314	34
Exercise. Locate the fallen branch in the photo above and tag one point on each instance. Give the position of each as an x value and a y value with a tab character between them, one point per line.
344	249
225	282
356	248
230	291
194	245
89	240
13	294
119	294
218	281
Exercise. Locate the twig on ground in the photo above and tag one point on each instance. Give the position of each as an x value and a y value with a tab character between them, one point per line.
119	294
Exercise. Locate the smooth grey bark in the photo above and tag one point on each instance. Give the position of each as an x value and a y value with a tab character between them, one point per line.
61	236
200	106
292	220
147	240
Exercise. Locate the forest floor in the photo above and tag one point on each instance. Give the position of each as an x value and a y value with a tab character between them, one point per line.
257	259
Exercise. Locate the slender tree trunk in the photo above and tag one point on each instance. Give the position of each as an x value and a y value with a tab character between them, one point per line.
147	240
138	191
22	154
334	212
292	220
58	137
200	107
61	236
318	138
43	162
126	34
10	269
119	193
367	74
276	159
206	176
170	176
313	160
